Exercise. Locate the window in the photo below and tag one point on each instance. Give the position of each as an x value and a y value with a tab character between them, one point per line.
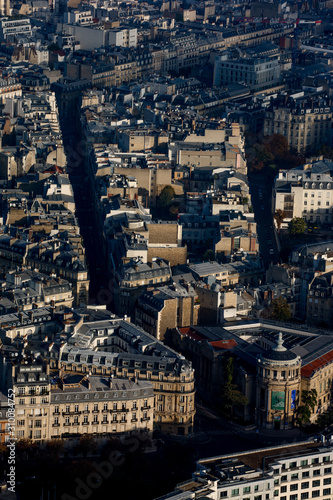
85	419
305	485
235	492
293	497
76	408
292	465
315	493
316	483
294	476
32	401
304	495
305	474
283	489
293	487
327	470
304	462
315	460
284	478
326	491
327	480
223	494
247	489
326	459
316	472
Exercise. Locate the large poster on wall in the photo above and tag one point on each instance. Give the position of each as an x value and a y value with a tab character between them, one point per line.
293	400
278	400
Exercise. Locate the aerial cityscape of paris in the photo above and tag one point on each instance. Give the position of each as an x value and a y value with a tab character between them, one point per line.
166	250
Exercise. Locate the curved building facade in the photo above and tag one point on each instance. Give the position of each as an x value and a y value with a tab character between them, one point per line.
278	385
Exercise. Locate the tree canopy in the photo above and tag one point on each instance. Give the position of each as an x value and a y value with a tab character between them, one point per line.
231	396
279	217
165	199
271	153
304	411
297	226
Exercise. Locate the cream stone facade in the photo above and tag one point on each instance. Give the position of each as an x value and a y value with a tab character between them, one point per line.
278	384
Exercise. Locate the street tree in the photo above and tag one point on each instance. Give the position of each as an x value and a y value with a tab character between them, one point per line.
279	217
231	396
305	410
297	226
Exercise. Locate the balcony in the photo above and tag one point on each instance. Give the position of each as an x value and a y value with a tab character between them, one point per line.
134	420
145	408
55	425
145	419
85	423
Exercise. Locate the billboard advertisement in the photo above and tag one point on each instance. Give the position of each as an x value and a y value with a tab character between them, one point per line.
293	400
278	400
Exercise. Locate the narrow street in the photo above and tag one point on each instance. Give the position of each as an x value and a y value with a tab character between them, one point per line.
262	206
86	212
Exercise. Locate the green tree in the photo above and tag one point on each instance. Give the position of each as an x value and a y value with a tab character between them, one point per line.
53	47
279	217
165	199
280	309
231	395
209	255
297	226
305	410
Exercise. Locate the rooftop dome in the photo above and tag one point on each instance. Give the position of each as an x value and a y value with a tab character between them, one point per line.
279	352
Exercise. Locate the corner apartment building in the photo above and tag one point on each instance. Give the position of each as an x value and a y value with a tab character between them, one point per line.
305	191
304	120
123	350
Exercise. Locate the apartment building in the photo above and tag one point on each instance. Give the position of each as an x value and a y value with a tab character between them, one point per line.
72	405
31	385
100	406
294	472
319	309
14	27
305	191
257	67
135	277
304	120
167	307
114	347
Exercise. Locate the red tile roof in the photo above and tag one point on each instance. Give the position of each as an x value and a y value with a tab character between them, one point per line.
223	344
192	333
310	368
